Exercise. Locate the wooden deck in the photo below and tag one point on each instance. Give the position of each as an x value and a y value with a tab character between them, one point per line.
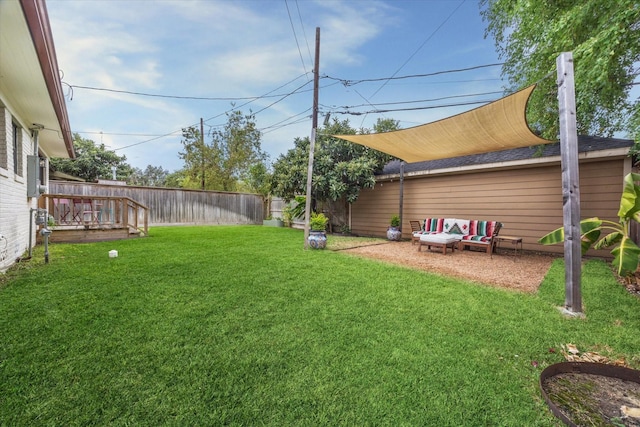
84	218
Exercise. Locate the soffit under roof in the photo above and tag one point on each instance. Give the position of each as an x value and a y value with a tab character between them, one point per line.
499	125
23	87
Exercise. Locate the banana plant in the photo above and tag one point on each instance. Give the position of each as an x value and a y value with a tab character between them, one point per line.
300	209
626	253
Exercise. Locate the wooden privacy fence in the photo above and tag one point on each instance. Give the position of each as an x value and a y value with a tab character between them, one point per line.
168	206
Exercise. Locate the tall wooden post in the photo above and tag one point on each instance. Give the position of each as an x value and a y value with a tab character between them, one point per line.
401	192
312	144
570	182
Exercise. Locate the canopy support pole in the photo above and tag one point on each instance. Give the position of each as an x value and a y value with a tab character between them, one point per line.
401	192
570	183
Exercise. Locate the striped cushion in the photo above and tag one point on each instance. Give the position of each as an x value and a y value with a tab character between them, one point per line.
481	228
477	238
434	225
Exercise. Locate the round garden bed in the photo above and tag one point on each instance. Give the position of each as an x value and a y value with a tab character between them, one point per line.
593	394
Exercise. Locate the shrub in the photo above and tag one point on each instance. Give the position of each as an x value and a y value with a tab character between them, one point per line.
318	221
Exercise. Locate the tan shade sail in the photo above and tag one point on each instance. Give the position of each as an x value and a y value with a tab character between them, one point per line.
497	126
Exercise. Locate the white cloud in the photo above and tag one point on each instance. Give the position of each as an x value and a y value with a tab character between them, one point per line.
224	48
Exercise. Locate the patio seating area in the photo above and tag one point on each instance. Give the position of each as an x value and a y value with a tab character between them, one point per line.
450	233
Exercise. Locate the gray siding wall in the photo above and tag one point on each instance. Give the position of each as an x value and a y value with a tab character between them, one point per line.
169	206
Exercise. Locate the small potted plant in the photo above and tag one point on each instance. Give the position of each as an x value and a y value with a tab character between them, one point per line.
394	232
272	222
317	236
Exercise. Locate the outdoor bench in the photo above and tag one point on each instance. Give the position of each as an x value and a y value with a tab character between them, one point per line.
469	233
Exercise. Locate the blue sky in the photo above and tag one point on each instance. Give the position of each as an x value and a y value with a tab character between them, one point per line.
244	49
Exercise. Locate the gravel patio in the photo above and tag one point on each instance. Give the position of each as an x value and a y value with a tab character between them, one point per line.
522	273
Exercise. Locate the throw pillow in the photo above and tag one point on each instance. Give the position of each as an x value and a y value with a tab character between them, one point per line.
455	230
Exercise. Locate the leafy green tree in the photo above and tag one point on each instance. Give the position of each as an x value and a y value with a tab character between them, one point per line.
92	162
340	170
290	170
604	38
226	161
237	148
176	179
257	179
199	160
152	176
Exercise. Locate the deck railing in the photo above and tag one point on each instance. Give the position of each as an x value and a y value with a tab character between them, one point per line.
98	212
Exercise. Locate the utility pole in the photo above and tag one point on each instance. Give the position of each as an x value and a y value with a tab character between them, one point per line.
202	148
570	183
312	144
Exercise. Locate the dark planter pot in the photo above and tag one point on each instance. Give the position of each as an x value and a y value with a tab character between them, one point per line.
317	239
394	233
600	369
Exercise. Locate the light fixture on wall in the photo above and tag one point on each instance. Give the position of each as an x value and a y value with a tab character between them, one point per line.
36	128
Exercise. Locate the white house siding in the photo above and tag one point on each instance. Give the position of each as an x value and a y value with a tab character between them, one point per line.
14	203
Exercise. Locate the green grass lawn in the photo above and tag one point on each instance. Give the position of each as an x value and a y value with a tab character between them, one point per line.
241	326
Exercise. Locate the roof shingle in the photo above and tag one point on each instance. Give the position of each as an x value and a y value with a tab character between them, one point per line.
585	144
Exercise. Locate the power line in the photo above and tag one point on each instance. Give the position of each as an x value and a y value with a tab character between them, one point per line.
116	134
443	82
304	32
283	97
295	36
148	140
332	108
197	98
211	118
286	95
275	125
347	82
156	137
355	113
422	100
155	95
273	128
419	48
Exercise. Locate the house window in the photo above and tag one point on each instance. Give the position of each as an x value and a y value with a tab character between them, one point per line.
17	149
5	139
